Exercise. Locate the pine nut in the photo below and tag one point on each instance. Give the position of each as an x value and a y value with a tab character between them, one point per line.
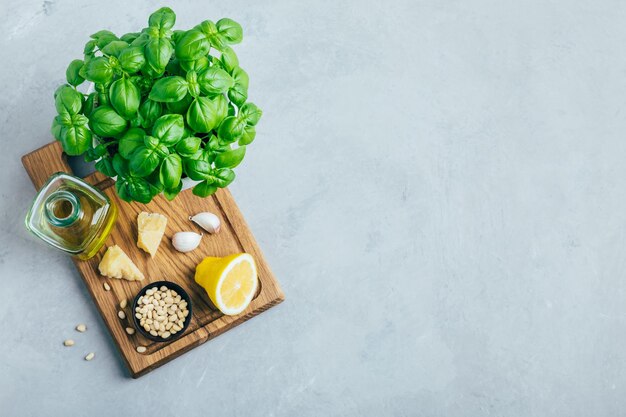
141	349
123	303
90	356
68	342
121	314
81	328
107	287
130	330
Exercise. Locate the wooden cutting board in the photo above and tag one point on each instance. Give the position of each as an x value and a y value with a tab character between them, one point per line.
168	264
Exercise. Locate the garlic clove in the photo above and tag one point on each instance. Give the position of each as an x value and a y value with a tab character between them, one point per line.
208	221
186	241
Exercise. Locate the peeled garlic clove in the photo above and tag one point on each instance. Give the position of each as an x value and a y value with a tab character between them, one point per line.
186	241
208	221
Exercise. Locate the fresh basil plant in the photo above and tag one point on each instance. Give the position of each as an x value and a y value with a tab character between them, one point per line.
167	104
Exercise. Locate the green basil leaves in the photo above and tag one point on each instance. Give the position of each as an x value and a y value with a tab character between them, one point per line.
105	122
205	114
125	97
169	89
167	104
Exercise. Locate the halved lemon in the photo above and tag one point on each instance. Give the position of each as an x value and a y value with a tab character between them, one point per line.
230	282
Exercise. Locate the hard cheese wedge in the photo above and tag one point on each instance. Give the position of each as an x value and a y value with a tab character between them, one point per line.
116	264
151	227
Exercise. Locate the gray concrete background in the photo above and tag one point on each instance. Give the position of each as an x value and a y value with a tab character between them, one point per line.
438	185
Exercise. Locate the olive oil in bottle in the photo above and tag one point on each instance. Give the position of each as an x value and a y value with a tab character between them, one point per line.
71	215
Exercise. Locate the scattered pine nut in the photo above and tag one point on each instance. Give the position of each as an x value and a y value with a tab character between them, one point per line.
68	342
123	303
81	328
90	356
121	314
130	330
141	349
107	287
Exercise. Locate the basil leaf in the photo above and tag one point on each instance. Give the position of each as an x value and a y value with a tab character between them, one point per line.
103	99
72	74
171	171
144	161
98	70
177	36
65	119
103	38
215	80
169	129
151	142
169	89
223	177
231	158
75	140
192	45
249	133
136	120
192	83
188	146
238	94
68	100
197	169
132	59
131	188
125	97
180	107
196	65
130	141
205	113
89	104
164	18
114	48
150	110
105	122
231	129
144	83
230	31
170	194
204	189
79	120
141	40
229	60
120	165
250	113
99	151
57	128
105	166
130	37
154	182
211	33
158	53
89	47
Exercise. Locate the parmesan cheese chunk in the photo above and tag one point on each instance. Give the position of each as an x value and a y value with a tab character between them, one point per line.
116	264
151	227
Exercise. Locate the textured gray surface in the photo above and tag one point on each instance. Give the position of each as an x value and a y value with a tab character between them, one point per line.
438	185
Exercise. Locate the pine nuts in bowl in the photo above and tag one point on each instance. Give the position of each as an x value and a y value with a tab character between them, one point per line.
161	311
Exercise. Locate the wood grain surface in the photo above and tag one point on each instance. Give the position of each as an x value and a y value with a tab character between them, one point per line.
168	264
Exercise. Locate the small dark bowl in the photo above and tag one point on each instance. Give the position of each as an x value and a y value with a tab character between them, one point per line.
183	294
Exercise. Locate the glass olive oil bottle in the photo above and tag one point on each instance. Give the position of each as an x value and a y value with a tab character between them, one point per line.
71	215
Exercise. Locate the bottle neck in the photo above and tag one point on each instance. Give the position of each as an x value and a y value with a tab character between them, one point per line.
62	208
